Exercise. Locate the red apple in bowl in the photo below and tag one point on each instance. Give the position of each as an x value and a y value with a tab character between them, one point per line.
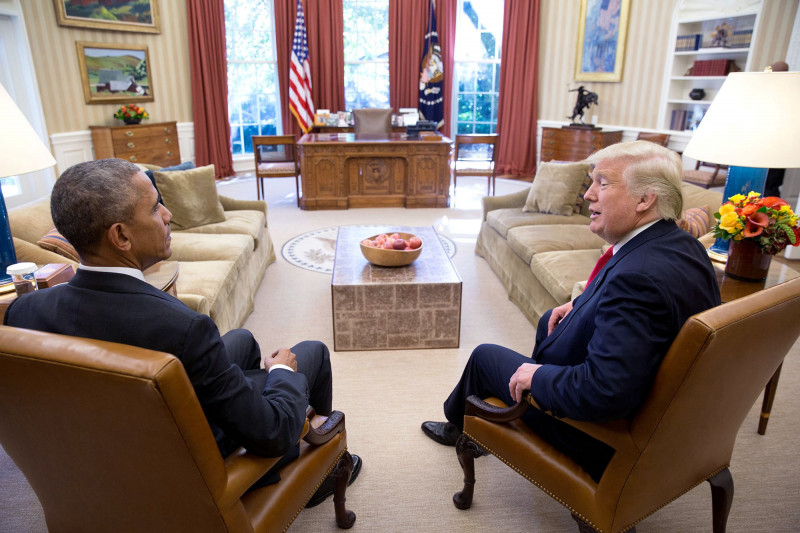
393	249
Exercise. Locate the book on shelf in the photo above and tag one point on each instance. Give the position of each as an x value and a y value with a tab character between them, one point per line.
740	39
688	43
712	67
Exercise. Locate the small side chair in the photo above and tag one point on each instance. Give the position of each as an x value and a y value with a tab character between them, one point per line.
475	155
715	177
276	157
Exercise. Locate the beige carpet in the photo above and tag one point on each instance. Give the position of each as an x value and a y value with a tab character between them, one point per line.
407	480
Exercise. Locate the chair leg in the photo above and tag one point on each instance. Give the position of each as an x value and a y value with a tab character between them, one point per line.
467	451
258	188
297	188
344	467
769	398
721	499
583	527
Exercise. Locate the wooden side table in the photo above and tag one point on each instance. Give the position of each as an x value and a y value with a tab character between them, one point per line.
730	289
575	144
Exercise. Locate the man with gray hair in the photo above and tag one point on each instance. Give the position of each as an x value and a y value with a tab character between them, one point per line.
595	357
109	211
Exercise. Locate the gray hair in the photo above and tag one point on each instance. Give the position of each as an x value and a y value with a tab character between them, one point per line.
88	198
651	168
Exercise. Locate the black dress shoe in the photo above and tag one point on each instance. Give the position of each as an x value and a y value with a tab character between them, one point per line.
442	432
329	485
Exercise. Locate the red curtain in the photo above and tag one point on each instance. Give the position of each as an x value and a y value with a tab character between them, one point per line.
209	73
325	29
517	113
408	20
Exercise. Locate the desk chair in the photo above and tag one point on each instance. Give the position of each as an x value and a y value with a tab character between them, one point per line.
658	138
112	438
682	435
276	157
475	155
707	178
372	120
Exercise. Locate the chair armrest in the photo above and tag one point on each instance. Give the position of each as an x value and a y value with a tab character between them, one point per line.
244	469
477	407
233	204
322	429
517	199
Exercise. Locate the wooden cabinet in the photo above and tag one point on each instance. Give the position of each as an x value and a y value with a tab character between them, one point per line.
575	144
155	144
695	53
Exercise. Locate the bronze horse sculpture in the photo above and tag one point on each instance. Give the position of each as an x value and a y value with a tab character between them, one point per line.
585	99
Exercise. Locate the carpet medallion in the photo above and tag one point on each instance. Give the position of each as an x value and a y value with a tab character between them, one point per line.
314	250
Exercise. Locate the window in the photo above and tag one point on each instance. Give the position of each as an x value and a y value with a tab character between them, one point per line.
479	34
366	53
253	97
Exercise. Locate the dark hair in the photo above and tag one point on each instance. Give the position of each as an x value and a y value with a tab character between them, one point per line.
88	198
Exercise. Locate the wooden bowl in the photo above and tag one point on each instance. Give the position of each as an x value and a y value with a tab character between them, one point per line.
391	258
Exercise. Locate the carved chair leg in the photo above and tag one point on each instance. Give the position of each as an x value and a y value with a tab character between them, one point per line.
721	498
341	472
583	527
467	451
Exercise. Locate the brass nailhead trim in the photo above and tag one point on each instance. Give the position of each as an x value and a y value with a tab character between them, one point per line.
315	490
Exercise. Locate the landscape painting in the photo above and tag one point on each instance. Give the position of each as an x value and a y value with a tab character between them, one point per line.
115	73
120	15
601	40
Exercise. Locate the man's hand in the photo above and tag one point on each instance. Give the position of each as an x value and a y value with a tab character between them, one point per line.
557	315
283	356
521	380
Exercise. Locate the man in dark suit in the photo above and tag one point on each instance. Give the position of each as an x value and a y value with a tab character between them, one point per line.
595	357
109	211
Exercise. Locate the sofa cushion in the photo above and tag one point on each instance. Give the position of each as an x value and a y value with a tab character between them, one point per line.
191	196
242	222
582	206
503	220
559	271
526	241
555	188
697	221
150	173
55	242
694	196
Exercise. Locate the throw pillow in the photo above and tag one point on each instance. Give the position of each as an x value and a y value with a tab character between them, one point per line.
191	196
555	188
587	182
697	221
186	165
55	242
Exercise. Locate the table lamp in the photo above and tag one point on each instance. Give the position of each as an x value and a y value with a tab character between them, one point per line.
21	151
752	125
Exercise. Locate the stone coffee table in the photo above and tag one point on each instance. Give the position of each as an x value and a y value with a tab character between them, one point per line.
394	308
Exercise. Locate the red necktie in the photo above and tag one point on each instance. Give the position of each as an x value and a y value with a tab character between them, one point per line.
601	263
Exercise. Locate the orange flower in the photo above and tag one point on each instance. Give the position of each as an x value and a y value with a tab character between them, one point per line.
749	209
755	224
773	202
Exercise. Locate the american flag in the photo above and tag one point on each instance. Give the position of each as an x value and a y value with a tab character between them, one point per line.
300	102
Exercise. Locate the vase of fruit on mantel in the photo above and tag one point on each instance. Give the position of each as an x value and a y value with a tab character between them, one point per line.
394	249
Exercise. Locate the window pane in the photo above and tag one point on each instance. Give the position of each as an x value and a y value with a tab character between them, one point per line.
253	97
483	107
484	78
366	53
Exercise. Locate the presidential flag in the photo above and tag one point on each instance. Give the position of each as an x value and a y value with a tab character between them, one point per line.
431	78
300	102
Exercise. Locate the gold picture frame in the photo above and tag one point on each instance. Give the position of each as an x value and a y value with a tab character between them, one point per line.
115	73
126	13
598	57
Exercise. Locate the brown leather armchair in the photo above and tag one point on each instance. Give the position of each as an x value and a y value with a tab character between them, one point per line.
372	120
681	436
112	437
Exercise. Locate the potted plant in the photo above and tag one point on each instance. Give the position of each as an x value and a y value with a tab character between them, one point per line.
131	114
758	228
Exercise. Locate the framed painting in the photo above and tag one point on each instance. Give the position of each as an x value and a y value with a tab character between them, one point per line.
602	29
121	15
115	73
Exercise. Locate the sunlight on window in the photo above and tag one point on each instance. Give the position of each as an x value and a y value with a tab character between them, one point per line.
366	53
253	96
479	35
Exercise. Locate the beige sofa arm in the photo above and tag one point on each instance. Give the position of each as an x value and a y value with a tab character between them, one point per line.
232	204
30	252
517	199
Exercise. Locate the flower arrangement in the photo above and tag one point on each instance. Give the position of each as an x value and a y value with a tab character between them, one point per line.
769	222
131	112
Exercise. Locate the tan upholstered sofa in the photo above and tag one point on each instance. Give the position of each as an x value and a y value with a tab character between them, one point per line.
543	260
220	265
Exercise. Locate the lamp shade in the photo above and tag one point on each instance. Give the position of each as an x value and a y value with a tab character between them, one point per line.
754	121
21	149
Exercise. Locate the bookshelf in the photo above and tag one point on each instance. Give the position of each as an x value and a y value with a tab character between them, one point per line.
696	61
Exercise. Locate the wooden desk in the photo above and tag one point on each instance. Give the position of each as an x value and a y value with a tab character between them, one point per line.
730	289
367	170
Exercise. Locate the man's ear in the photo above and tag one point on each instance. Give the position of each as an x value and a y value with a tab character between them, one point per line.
646	202
118	236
